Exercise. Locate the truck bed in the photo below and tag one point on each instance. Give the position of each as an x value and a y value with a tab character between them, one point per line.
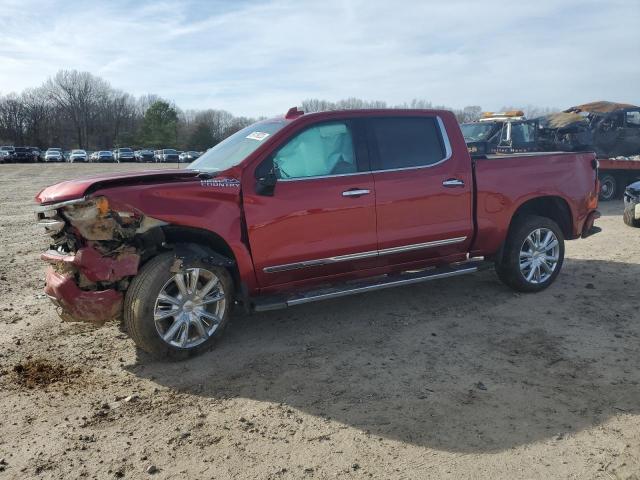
505	182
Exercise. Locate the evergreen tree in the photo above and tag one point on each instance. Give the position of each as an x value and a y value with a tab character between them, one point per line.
160	125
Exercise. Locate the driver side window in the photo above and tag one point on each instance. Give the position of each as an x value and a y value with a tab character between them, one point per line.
321	150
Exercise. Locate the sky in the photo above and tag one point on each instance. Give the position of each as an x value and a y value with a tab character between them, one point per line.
259	58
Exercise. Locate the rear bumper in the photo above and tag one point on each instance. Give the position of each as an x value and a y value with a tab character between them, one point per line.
76	283
589	228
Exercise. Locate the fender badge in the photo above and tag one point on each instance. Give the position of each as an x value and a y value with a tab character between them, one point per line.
221	182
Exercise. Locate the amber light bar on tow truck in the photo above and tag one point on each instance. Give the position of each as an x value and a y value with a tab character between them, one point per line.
508	115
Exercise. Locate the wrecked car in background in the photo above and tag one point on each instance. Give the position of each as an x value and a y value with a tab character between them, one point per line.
607	128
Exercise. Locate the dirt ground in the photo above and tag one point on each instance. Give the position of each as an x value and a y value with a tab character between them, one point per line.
461	378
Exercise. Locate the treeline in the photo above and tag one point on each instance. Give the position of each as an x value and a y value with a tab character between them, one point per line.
79	110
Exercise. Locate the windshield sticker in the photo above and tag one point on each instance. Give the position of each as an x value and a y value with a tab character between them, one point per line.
259	136
221	182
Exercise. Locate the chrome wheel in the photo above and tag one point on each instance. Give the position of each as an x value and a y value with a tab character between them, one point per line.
539	255
189	308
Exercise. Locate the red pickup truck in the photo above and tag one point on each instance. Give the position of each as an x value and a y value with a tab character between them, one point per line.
301	208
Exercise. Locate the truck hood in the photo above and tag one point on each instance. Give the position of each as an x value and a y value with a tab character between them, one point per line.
78	188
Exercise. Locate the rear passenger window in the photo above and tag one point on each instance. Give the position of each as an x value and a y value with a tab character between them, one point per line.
406	142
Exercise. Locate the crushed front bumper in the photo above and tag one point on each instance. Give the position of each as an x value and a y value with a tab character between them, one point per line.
83	284
96	306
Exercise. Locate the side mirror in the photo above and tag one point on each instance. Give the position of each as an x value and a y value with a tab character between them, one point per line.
267	184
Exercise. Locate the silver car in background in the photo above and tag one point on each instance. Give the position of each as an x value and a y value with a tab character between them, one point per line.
77	156
53	155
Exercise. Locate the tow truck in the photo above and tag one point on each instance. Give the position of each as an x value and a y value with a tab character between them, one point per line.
501	132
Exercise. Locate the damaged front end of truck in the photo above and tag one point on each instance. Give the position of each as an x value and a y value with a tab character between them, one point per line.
95	250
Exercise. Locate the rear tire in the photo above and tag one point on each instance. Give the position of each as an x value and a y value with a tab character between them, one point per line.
528	265
147	317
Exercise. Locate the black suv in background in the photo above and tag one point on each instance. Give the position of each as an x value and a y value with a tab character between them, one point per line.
144	156
23	154
37	154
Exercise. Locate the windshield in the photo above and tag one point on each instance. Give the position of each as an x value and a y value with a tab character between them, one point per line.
105	152
78	151
169	151
232	150
125	150
477	132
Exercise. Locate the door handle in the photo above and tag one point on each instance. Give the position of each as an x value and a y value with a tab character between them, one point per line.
356	192
453	182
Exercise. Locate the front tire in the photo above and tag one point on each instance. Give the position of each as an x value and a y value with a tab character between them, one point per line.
181	314
533	254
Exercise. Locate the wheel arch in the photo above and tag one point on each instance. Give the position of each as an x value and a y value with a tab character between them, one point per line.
168	237
553	207
549	206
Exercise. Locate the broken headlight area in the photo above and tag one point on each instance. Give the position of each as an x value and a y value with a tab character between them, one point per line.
92	220
92	256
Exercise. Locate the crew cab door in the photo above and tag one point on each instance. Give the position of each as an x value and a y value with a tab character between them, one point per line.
423	190
320	220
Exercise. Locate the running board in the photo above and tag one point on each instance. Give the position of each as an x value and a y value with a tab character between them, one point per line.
272	302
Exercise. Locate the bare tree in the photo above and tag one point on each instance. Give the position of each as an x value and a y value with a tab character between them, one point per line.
145	101
12	118
78	94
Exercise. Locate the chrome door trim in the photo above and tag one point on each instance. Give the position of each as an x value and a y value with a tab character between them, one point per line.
320	261
358	256
445	138
419	246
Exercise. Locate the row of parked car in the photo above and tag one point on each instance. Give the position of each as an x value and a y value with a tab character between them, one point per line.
33	154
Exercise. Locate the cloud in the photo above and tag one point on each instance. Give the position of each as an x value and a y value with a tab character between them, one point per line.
259	58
